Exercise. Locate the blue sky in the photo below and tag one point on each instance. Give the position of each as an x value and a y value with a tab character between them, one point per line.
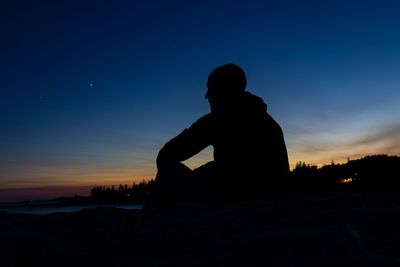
91	90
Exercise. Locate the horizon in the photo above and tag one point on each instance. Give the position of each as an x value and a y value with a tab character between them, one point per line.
91	92
45	193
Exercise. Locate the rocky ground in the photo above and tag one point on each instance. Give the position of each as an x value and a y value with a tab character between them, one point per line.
305	229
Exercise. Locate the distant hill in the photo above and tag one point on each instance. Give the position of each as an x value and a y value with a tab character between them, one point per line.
373	170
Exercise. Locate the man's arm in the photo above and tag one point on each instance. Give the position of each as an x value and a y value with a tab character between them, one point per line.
187	144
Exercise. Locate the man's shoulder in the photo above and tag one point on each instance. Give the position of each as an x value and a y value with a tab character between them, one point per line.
203	124
205	120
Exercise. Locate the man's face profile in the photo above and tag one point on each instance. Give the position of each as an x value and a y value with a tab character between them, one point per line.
217	95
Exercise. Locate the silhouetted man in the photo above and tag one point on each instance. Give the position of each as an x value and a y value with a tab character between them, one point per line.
250	158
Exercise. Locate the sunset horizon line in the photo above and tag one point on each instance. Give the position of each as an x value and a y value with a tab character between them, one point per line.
50	192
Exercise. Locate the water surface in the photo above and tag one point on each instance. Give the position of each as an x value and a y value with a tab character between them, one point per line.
49	210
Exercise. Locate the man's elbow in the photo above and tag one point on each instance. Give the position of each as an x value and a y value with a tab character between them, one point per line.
161	158
165	158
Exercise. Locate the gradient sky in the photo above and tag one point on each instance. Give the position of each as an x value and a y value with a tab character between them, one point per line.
91	90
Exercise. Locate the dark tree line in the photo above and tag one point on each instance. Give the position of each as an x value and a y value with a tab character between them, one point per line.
368	171
138	192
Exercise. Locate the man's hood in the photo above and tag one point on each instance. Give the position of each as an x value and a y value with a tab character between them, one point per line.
250	103
246	104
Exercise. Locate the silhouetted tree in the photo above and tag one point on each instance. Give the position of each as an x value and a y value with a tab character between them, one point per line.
368	171
138	192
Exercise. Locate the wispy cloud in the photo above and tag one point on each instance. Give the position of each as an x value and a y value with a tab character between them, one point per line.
320	148
389	135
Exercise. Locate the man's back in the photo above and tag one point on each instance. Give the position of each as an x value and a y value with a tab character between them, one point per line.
249	147
249	136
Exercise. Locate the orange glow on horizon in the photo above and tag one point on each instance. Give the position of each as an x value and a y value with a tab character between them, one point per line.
57	181
42	193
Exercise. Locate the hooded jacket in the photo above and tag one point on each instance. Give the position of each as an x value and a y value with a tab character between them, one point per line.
248	143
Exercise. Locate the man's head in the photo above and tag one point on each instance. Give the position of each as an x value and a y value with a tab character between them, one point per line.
225	83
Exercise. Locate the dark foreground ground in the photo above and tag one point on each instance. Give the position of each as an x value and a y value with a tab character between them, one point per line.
344	228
